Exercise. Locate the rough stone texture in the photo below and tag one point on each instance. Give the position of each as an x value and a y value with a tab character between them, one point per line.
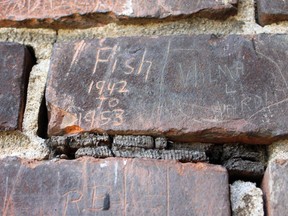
274	186
78	140
272	11
278	150
246	199
145	142
112	187
160	143
96	152
244	161
136	153
81	14
173	154
15	65
240	97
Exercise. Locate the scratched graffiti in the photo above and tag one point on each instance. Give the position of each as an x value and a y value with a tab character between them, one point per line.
109	187
140	83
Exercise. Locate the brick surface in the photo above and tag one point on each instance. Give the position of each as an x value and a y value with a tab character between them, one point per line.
112	187
272	11
274	186
71	13
189	88
15	65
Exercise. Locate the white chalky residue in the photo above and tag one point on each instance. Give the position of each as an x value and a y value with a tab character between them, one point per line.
105	164
128	8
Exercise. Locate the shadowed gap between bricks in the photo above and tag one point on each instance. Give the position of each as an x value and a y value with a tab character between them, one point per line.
244	162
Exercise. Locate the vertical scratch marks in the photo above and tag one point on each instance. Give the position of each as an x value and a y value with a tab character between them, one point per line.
6	191
125	196
78	48
159	112
9	201
115	173
167	191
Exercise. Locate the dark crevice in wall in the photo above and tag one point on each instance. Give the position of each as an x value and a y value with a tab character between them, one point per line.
256	12
42	119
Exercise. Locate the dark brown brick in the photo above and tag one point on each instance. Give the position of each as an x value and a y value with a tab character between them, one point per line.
71	13
189	88
271	11
274	186
112	187
15	65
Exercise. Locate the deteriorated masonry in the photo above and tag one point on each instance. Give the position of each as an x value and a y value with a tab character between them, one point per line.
130	107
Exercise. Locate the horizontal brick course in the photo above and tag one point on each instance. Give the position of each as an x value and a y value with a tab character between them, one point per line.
112	187
189	88
15	65
57	14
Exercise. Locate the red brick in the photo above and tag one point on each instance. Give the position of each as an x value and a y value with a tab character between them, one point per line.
271	11
15	65
274	186
55	13
112	187
189	88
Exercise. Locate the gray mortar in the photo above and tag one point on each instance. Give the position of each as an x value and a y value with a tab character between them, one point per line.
27	144
246	199
278	150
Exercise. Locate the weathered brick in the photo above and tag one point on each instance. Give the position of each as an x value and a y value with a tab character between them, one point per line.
274	186
189	88
160	143
173	154
146	142
15	65
112	187
246	162
78	140
272	11
71	13
97	152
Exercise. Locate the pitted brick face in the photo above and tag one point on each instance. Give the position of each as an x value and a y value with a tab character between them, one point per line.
15	65
189	88
68	12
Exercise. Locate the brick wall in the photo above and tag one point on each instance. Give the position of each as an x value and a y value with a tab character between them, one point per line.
143	107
